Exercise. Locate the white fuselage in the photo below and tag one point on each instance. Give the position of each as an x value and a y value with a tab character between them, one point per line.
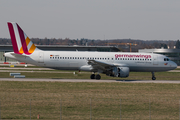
66	60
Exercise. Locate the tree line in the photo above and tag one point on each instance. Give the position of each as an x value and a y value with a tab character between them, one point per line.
141	44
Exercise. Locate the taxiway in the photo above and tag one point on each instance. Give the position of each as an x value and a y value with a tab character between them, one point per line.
89	80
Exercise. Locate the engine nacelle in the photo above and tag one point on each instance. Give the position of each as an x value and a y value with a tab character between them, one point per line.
119	72
124	72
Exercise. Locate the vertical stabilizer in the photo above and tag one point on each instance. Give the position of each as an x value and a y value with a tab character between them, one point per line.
20	41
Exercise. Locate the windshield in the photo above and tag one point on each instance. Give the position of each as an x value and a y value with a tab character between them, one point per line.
166	59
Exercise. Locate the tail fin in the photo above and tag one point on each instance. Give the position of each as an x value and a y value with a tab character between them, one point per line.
20	41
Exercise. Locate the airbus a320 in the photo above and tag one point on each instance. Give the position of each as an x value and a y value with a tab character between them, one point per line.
115	64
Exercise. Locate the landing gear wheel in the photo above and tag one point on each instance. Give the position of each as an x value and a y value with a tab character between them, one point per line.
153	78
92	76
98	77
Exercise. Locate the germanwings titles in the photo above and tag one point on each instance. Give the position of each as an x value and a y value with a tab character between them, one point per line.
115	64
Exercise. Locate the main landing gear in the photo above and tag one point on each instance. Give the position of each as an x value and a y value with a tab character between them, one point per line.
153	76
97	77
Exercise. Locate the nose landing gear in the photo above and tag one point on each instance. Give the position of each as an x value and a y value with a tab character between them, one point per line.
153	76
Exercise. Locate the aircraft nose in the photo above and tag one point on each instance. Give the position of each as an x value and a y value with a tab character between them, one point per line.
173	65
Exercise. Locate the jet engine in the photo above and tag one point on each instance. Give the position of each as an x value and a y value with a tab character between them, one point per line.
118	72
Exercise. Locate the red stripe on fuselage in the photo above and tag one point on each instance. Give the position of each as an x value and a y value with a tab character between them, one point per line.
23	41
13	38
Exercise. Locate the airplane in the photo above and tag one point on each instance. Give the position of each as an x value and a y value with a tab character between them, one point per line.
115	64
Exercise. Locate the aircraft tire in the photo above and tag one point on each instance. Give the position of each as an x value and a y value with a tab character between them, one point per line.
98	77
92	76
153	78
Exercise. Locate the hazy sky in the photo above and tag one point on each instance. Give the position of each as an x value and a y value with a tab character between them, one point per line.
93	19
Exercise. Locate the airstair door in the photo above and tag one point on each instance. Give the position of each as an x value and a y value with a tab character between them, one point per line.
41	57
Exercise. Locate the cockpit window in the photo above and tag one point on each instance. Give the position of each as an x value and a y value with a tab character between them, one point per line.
166	59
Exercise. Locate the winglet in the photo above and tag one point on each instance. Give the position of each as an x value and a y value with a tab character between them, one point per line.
20	41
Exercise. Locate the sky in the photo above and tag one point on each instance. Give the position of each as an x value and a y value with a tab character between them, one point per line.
93	19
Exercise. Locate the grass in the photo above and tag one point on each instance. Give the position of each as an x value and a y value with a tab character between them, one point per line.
75	100
86	75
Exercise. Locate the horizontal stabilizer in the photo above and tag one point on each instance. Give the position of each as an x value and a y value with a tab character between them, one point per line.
19	55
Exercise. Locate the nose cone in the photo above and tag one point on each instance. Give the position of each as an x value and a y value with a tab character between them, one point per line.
173	65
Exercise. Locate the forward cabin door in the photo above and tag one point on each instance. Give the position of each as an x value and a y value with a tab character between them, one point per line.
155	60
41	57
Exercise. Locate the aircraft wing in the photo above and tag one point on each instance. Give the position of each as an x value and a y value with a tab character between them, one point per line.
104	65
